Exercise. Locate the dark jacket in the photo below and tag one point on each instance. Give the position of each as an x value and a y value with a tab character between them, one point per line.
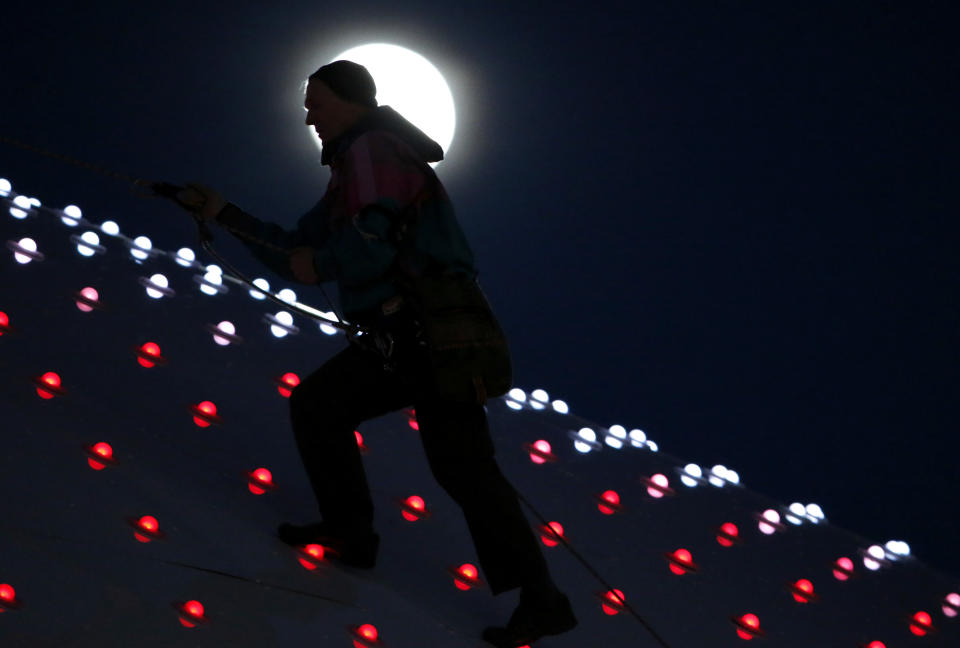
380	177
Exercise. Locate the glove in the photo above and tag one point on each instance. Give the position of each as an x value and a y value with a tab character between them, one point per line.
201	200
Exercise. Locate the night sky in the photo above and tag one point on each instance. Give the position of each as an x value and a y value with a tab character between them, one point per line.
734	228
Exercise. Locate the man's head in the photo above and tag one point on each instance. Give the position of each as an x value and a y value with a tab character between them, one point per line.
337	96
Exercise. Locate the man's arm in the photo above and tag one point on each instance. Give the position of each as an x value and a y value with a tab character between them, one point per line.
268	242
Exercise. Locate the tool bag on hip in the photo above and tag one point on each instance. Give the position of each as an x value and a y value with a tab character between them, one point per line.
469	360
468	352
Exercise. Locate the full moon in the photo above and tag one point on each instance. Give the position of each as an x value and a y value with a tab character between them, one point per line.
411	85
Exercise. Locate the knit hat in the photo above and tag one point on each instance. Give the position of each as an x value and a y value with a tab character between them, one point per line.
348	80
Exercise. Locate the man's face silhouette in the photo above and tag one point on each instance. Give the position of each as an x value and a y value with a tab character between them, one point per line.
328	113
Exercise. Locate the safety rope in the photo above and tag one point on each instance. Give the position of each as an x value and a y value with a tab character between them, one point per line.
167	190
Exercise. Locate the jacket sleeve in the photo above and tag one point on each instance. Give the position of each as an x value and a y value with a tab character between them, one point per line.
253	233
381	177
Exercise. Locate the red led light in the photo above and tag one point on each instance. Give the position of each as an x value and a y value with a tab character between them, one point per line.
413	508
412	419
551	534
48	385
658	486
191	613
4	323
843	569
465	577
363	448
609	502
728	534
146	528
286	383
311	556
921	624
540	452
612	602
149	355
748	626
365	636
8	598
802	591
876	644
681	562
205	414
260	481
100	455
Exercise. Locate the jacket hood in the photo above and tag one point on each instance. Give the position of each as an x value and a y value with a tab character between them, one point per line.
387	119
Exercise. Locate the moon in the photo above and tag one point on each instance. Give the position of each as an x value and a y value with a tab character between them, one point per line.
411	85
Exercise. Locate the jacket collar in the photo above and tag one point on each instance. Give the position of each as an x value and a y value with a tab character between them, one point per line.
387	119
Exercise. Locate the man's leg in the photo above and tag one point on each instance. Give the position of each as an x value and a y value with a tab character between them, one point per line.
458	446
325	409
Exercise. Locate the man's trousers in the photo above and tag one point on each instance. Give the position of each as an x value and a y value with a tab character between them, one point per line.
355	386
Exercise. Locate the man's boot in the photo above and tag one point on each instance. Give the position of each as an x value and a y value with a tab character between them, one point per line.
537	616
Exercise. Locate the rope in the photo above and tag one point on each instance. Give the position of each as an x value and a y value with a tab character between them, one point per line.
69	160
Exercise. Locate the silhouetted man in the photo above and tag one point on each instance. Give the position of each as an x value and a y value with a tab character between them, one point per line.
382	187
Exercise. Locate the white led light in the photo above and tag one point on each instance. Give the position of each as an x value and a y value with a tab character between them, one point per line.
92	242
284	320
5	187
288	296
797	512
951	605
586	440
224	327
718	476
652	446
692	473
514	405
141	248
263	285
769	522
110	228
156	285
638	438
540	396
27	246
185	257
733	477
327	328
898	548
560	407
616	436
211	283
815	513
21	207
71	216
874	558
517	394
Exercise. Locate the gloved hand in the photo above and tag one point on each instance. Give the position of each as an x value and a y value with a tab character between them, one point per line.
201	200
301	263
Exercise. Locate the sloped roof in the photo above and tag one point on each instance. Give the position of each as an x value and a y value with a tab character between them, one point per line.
82	577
